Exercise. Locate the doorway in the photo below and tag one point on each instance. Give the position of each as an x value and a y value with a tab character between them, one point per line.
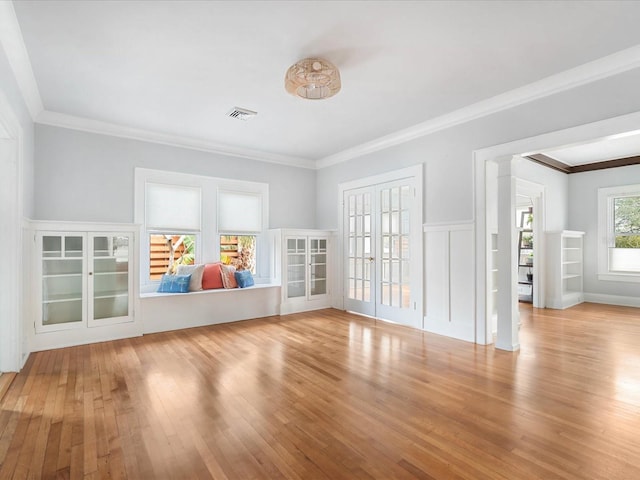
382	249
514	217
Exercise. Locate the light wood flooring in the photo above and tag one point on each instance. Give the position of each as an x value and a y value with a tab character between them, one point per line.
329	395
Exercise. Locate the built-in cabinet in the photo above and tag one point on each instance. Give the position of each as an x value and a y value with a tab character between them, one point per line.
83	280
62	276
565	269
301	266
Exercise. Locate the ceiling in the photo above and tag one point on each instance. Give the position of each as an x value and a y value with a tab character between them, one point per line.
177	68
599	150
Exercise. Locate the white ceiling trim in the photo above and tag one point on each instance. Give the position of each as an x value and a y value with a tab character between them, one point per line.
16	51
608	66
95	126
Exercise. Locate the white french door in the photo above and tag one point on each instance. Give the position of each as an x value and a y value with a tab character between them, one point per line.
382	232
359	248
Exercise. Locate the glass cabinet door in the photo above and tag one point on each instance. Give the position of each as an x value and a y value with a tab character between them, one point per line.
109	278
317	266
296	267
62	275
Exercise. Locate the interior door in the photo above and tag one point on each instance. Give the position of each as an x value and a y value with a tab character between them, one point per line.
382	238
398	233
359	245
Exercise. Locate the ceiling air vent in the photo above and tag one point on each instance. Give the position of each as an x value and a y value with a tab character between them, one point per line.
241	113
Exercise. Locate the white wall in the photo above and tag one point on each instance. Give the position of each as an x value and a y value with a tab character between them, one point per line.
583	216
83	176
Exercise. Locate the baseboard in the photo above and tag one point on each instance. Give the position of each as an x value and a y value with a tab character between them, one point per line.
612	299
449	329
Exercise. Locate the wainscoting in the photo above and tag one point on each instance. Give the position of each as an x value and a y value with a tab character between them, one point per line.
450	280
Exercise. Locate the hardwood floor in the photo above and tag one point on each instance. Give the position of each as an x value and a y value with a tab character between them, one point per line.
329	395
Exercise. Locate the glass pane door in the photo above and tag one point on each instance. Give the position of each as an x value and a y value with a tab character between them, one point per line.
318	266
382	231
359	247
395	255
399	231
110	277
296	258
62	266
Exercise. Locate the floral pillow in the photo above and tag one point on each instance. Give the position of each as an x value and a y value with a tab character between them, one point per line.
229	276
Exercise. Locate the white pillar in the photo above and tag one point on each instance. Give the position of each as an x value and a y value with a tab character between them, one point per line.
11	276
508	315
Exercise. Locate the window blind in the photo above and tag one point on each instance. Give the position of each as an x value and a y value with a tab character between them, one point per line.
172	207
239	212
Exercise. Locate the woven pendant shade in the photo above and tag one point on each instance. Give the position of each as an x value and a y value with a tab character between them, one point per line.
313	79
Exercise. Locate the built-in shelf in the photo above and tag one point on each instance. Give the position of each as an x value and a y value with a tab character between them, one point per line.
565	269
525	249
62	298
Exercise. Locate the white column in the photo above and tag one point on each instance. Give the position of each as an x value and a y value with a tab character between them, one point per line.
508	315
10	339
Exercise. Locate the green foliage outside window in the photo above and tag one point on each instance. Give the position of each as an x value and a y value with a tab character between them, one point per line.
626	216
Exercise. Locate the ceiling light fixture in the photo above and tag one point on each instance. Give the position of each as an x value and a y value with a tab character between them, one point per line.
313	79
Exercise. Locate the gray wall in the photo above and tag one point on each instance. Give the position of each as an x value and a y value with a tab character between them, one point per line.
9	87
83	176
447	155
89	177
556	193
583	216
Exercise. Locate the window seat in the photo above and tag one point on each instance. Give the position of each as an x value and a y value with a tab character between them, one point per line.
161	312
154	293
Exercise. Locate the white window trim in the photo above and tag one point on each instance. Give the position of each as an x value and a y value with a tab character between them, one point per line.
606	234
208	238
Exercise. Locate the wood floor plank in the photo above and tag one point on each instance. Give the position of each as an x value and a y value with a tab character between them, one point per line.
330	395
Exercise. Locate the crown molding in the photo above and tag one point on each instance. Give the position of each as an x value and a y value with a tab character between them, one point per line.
16	51
604	67
12	42
95	126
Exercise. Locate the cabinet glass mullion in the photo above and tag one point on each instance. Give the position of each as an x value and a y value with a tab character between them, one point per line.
318	266
110	276
296	267
62	279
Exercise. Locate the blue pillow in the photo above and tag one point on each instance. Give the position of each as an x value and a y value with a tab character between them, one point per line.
244	278
174	284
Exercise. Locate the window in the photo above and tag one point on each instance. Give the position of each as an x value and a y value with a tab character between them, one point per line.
167	251
239	212
172	215
619	232
239	250
189	218
626	222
